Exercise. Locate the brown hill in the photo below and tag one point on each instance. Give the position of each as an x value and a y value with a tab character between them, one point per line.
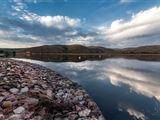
67	49
154	49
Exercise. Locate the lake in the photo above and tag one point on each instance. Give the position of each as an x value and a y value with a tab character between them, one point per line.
124	89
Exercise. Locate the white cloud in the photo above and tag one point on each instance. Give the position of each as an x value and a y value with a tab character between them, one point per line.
142	24
58	21
71	33
13	44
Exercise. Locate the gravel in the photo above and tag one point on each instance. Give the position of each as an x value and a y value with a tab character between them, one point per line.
32	92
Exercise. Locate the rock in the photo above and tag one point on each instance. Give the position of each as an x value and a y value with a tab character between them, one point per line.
101	118
28	115
49	93
1	117
5	79
73	116
84	113
78	108
60	93
82	119
32	92
5	93
37	118
1	99
7	104
15	117
82	102
11	98
32	101
58	118
19	110
14	90
91	104
24	90
44	86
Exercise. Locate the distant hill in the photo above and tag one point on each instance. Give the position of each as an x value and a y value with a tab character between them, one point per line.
67	49
154	49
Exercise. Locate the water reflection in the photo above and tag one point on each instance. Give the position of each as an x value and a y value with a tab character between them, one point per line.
136	114
146	83
62	58
124	89
83	57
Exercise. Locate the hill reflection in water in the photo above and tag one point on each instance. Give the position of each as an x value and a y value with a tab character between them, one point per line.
83	57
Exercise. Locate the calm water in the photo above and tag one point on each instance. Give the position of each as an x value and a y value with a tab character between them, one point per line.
123	89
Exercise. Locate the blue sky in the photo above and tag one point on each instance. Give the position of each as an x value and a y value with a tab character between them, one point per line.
108	23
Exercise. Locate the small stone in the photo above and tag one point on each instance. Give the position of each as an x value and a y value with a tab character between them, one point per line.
15	117
5	93
82	119
5	78
82	102
49	93
19	110
78	108
91	104
37	118
7	104
1	99
32	101
73	116
1	74
31	92
1	117
101	118
14	90
24	90
84	113
44	86
57	118
11	98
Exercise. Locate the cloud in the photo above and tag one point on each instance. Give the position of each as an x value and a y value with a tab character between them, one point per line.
24	26
142	25
60	22
143	28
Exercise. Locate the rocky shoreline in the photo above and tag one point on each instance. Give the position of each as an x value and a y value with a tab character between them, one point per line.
33	92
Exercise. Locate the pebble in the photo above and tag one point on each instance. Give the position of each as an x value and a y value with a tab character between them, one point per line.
49	93
19	110
32	101
14	90
32	92
24	90
1	99
1	117
84	113
15	117
7	104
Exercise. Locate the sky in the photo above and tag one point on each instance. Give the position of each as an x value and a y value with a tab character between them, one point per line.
107	23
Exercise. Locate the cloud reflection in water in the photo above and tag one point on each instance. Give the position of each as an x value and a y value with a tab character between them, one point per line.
140	82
